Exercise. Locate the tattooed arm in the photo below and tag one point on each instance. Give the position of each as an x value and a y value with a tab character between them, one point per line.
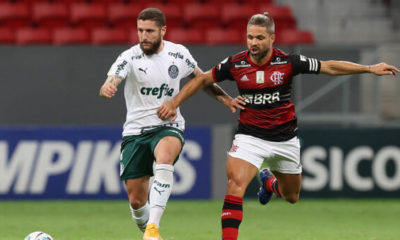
215	91
109	87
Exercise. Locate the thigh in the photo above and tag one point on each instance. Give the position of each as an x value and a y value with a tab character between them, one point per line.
247	148
240	173
167	145
286	156
136	159
167	150
288	183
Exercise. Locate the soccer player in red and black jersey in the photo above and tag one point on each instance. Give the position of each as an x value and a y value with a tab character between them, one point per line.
267	128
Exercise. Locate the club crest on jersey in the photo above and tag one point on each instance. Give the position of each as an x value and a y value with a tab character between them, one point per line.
173	71
277	77
260	77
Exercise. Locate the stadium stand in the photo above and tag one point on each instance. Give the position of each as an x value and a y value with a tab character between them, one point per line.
204	16
172	13
71	36
88	15
201	16
133	36
14	15
282	15
256	2
28	35
7	36
294	37
123	15
359	21
50	15
186	36
103	36
236	16
217	36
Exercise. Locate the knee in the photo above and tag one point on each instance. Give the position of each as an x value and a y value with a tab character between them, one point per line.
166	158
292	198
235	187
137	203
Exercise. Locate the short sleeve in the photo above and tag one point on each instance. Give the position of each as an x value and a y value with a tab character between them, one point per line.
222	71
191	63
121	67
303	64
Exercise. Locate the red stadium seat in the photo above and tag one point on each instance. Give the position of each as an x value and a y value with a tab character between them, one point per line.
224	36
123	15
50	15
173	14
182	2
110	1
282	15
144	2
69	36
219	3
201	15
237	16
68	1
14	15
7	36
88	15
27	36
133	36
186	36
103	36
256	2
294	37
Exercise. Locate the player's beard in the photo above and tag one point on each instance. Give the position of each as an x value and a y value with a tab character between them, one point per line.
260	55
153	48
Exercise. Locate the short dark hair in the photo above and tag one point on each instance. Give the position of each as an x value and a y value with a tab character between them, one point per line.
263	20
153	14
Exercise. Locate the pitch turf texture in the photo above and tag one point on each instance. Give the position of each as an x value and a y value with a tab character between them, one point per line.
192	220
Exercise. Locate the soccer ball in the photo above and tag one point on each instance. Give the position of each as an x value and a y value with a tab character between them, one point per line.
38	236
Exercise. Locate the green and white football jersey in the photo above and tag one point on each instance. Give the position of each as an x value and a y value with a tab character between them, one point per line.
149	82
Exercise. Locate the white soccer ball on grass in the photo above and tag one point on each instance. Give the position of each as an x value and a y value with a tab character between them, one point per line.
38	236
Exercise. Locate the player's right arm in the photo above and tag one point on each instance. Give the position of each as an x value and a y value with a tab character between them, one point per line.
119	70
110	86
168	109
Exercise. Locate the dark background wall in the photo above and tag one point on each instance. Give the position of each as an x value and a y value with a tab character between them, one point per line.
50	85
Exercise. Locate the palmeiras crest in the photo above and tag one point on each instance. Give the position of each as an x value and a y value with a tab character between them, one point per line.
173	71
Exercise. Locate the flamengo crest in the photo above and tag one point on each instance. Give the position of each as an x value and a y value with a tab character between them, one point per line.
277	77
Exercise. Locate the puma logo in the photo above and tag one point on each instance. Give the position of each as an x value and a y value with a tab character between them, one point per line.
143	70
159	190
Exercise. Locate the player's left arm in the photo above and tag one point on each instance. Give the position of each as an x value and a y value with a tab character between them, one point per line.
216	92
345	68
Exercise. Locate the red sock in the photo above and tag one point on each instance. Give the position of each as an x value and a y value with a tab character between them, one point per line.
232	214
273	186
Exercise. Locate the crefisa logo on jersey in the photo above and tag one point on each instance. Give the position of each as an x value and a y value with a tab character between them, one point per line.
277	77
173	71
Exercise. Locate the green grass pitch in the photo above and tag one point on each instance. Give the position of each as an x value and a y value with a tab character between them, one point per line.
199	220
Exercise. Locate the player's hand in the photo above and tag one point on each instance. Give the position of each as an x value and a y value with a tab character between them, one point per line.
235	103
383	69
167	110
108	90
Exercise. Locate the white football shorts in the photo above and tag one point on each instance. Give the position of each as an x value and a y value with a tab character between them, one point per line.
283	157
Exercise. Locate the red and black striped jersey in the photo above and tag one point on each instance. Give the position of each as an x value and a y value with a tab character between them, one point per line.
269	112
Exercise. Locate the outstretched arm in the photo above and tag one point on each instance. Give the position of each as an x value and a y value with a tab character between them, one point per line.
346	68
168	109
216	92
109	87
